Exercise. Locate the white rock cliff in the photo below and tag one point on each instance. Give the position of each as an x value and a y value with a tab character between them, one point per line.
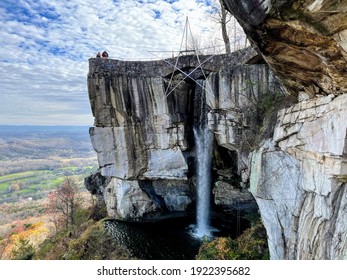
144	139
299	179
297	174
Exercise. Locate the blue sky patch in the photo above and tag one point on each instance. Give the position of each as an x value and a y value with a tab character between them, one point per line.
57	51
50	14
206	2
157	14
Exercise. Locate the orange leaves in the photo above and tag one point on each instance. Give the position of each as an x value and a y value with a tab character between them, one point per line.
223	246
34	233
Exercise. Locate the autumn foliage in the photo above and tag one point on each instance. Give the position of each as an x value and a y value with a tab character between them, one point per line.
63	205
18	242
63	210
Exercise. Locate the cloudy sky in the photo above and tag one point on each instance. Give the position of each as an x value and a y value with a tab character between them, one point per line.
45	46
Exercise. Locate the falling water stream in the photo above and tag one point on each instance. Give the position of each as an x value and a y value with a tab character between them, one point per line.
203	156
203	140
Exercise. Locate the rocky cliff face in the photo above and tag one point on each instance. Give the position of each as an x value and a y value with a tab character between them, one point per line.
299	179
304	42
299	175
294	163
143	135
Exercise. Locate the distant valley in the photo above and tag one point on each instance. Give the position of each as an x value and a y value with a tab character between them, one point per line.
34	162
36	159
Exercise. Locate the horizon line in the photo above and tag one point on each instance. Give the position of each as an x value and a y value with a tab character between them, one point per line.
51	125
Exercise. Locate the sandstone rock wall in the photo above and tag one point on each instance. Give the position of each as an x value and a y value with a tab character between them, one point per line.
139	136
304	42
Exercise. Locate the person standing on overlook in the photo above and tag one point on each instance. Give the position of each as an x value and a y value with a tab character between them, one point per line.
105	54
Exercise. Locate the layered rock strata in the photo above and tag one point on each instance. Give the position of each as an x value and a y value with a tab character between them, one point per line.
299	179
298	176
143	134
143	130
304	42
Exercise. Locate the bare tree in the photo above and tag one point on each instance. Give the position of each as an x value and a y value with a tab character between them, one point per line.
220	15
231	31
224	19
64	203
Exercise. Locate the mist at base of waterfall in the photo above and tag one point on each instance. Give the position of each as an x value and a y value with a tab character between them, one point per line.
202	234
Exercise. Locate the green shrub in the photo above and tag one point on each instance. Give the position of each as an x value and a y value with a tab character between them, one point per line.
251	245
92	243
23	251
95	244
53	248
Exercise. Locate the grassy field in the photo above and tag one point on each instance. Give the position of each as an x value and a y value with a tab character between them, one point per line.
35	184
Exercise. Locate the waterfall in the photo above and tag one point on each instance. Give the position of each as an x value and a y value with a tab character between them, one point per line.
203	140
203	156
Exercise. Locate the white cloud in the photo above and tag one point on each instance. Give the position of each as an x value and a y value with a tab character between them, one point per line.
46	45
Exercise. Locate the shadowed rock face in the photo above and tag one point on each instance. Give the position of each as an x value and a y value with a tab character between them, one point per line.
305	42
